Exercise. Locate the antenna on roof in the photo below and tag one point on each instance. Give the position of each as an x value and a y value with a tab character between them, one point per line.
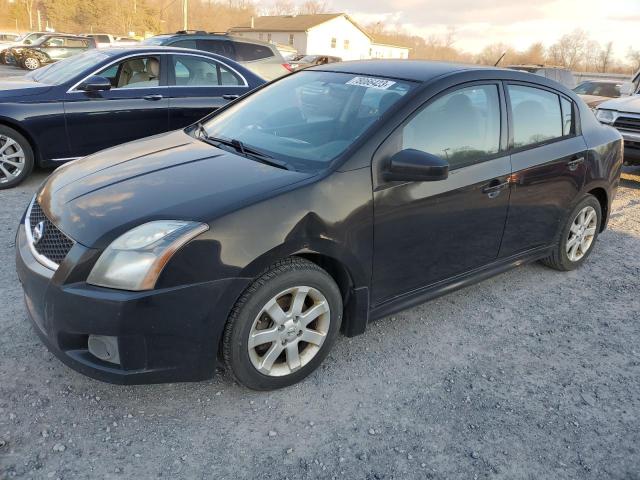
500	59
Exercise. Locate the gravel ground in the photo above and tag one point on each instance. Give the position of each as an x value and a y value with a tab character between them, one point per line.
532	374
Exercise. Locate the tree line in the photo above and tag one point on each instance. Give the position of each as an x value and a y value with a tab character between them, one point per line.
574	50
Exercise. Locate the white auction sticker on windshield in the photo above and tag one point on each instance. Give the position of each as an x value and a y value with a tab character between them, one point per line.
369	82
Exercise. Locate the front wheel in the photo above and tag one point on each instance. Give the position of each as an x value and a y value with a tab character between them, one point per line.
578	236
283	326
31	63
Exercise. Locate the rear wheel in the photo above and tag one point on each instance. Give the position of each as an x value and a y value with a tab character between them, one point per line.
578	236
283	326
31	63
16	157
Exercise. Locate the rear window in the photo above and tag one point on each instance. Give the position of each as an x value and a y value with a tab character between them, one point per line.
102	38
246	52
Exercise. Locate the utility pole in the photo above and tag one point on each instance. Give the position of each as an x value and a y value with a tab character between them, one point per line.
185	21
39	21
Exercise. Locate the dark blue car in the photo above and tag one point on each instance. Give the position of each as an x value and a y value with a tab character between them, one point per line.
103	98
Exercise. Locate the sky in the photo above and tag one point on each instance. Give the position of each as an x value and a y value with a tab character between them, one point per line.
515	22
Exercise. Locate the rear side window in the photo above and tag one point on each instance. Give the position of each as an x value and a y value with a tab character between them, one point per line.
536	115
185	44
75	43
221	47
102	38
567	117
462	127
247	52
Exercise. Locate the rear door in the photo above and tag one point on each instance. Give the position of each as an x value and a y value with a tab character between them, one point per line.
548	165
198	85
136	106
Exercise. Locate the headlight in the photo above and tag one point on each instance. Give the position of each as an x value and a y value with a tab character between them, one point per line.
135	260
605	116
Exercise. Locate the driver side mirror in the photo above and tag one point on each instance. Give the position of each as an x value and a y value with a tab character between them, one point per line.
27	42
95	84
412	165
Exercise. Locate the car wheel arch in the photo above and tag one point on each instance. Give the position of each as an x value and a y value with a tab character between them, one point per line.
25	133
603	199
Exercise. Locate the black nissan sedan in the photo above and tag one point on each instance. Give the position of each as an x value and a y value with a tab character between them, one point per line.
316	204
106	97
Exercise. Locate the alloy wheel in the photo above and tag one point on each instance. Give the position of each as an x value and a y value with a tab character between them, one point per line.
581	233
289	331
31	63
12	159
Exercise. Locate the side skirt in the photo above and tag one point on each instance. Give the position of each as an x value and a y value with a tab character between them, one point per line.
422	295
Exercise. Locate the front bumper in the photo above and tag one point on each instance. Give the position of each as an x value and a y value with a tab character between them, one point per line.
163	335
631	146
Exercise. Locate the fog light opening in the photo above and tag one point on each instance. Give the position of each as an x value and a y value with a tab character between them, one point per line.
105	348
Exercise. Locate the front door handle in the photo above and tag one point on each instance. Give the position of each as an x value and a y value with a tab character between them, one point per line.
573	164
153	98
493	189
230	97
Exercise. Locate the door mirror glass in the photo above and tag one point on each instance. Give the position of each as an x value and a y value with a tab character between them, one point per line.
27	42
412	165
626	89
95	84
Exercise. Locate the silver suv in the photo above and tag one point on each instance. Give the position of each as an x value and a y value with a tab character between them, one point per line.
559	74
261	58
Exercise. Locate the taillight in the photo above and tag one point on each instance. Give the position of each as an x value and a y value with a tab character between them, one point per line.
288	67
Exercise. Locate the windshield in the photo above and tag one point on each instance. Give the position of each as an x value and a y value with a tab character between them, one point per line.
66	70
601	89
309	118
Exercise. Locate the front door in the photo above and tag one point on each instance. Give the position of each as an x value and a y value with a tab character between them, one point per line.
135	107
426	232
198	86
548	166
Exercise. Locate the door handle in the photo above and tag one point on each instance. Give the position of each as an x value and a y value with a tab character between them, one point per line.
493	189
573	164
230	97
153	98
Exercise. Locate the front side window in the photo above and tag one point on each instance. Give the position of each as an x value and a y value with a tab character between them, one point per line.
53	42
310	118
462	127
536	115
196	71
140	72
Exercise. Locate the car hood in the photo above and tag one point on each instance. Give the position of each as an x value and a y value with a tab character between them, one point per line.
171	176
623	104
593	100
18	87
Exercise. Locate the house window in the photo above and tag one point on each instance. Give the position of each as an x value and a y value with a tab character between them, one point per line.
268	37
260	36
346	44
333	42
291	39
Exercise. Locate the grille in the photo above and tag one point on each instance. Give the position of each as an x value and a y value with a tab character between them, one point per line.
627	123
53	245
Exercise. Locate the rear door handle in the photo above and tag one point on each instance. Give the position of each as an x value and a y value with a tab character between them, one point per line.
230	97
493	189
573	164
153	98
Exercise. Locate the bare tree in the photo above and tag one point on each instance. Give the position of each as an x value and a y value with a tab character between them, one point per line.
634	57
28	6
570	50
312	7
282	7
492	53
604	57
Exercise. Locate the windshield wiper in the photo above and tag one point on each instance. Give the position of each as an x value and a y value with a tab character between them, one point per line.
240	147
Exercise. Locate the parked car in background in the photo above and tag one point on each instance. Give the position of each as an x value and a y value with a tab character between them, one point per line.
49	49
26	39
106	97
262	58
559	74
8	38
624	114
106	40
594	92
312	60
259	234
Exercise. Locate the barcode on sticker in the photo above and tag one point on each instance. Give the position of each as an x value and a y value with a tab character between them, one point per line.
370	82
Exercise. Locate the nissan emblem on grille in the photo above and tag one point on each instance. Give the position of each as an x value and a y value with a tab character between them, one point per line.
38	232
47	240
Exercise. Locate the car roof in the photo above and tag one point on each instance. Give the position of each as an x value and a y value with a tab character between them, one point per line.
414	70
217	36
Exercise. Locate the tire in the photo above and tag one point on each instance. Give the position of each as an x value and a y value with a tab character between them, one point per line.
16	157
271	362
569	252
31	63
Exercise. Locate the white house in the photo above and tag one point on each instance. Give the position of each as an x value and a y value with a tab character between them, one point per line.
334	34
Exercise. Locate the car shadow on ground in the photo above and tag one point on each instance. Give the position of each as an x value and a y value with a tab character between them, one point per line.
630	177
